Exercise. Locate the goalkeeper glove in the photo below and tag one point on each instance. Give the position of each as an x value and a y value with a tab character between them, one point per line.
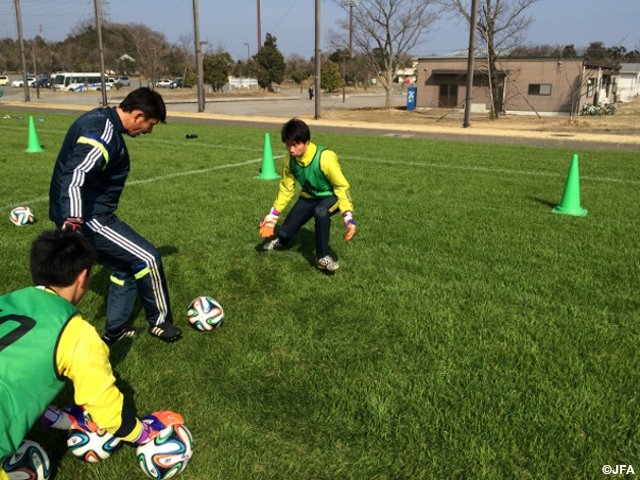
72	224
55	417
155	422
80	419
349	222
268	223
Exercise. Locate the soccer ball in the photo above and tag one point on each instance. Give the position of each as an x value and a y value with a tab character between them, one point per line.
92	447
30	462
205	314
168	454
21	216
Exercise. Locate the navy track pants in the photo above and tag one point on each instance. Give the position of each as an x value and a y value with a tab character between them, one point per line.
136	270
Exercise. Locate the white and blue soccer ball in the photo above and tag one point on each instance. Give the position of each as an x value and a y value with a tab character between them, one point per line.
168	454
21	216
205	314
92	447
30	462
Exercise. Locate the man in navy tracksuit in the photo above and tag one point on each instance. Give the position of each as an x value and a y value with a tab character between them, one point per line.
88	178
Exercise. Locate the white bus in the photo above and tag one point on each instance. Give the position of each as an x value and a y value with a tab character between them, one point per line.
78	81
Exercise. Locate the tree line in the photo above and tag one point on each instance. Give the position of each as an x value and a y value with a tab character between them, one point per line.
135	49
374	44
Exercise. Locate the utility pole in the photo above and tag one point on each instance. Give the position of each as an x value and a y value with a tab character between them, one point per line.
27	97
470	59
259	32
318	54
96	4
248	53
199	65
350	4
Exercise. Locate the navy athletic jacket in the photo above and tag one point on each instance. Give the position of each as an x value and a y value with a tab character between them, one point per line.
91	169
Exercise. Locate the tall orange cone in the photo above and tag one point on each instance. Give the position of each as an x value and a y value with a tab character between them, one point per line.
34	144
570	203
268	170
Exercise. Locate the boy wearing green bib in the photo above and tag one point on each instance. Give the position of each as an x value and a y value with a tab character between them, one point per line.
324	192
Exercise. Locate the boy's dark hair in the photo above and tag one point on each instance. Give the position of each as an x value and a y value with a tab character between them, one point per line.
147	100
57	258
296	131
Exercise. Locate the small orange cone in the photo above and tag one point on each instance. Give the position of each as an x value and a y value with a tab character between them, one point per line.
34	144
570	203
268	170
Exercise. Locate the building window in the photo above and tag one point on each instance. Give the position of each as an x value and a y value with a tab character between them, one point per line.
591	83
539	89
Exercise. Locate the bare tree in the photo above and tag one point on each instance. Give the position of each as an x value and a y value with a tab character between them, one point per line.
385	32
501	27
150	47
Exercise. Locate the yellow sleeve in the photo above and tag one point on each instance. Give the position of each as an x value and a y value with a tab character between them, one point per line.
286	188
330	166
83	357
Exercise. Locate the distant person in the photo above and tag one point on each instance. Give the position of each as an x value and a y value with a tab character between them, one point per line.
325	191
88	179
46	341
310	93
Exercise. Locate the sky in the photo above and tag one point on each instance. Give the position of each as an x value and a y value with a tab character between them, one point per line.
233	24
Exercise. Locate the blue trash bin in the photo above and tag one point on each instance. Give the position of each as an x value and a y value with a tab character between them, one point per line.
411	98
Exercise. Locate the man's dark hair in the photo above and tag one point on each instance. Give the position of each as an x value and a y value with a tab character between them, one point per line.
57	258
296	131
147	100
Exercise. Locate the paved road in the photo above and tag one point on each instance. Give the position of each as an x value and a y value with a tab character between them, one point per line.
291	102
265	112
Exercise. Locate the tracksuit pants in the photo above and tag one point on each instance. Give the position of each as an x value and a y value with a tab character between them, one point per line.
136	270
319	208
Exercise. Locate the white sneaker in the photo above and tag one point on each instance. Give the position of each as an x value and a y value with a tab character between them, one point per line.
272	245
327	263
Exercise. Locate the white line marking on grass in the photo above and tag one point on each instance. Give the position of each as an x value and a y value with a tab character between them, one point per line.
43	199
469	168
193	172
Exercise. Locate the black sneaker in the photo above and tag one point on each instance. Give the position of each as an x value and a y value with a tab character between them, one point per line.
273	244
166	331
127	332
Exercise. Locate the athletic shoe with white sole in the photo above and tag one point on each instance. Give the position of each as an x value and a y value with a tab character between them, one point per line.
327	263
166	331
272	245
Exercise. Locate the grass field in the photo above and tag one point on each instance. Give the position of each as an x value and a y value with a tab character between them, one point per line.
469	332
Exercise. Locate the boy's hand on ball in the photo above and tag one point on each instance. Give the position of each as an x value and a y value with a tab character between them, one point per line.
155	422
57	418
268	223
350	224
80	419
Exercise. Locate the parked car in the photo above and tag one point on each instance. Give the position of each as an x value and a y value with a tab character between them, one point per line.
177	83
164	83
20	83
124	80
42	82
4	80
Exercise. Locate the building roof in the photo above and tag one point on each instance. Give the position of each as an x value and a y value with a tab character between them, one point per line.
630	67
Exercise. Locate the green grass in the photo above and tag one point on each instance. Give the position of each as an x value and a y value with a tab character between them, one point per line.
469	332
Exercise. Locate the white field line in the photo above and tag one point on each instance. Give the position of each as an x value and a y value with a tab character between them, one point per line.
466	168
470	168
43	199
